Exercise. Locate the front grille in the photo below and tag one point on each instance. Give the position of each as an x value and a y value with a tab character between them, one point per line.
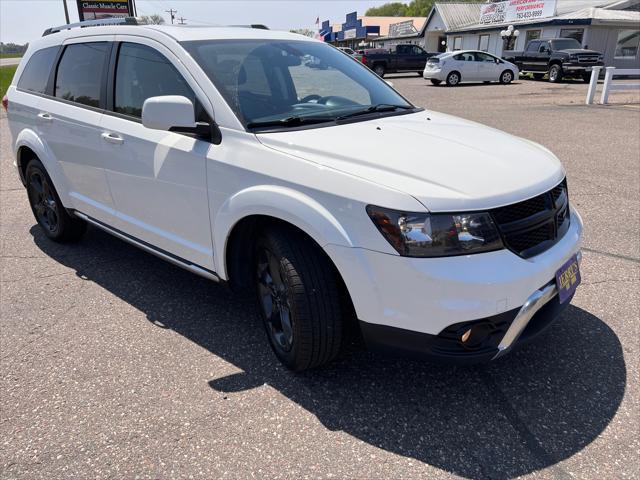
586	58
530	227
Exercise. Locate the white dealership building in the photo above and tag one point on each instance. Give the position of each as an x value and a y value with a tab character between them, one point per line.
609	26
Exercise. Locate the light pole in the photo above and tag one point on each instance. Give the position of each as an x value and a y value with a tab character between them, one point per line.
66	11
508	36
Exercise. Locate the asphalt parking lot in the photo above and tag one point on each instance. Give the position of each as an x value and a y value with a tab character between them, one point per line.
115	364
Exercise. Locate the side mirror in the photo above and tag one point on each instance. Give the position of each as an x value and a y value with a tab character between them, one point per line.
168	112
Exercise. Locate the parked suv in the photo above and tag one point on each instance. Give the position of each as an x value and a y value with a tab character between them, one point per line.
328	194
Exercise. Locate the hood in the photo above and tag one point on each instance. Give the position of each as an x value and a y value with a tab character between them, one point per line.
444	162
575	51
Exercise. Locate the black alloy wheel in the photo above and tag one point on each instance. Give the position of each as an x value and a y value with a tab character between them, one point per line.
299	298
43	201
274	299
56	223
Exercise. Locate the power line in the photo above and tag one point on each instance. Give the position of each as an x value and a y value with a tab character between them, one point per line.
172	12
182	19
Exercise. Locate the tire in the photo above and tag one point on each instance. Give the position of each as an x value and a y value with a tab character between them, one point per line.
436	82
52	217
453	79
299	299
506	77
586	77
555	73
379	70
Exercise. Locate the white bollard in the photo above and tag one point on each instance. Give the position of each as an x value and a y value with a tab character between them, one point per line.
593	84
607	84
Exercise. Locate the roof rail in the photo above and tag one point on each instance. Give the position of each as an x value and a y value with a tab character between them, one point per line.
93	23
258	26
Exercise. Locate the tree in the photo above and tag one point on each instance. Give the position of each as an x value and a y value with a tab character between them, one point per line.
416	8
394	9
420	8
154	19
12	48
303	31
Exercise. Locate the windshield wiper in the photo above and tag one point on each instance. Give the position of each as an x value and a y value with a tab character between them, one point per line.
289	121
381	107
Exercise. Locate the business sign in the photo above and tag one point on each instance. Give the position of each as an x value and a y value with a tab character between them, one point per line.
350	33
402	29
516	11
93	10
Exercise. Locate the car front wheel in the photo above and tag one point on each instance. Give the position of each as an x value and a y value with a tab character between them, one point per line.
379	70
436	82
555	73
299	299
506	77
52	217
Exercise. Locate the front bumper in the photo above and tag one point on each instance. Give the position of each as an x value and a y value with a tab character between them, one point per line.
497	334
576	67
437	296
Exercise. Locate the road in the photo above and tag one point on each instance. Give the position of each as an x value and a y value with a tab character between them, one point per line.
115	364
9	61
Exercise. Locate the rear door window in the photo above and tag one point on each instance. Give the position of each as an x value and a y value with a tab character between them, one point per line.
141	73
35	76
81	73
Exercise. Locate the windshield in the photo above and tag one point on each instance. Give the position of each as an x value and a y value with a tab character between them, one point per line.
279	83
565	44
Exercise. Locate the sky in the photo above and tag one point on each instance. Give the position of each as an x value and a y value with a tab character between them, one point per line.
24	20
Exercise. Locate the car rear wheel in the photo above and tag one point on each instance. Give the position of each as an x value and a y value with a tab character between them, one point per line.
506	77
299	299
555	73
379	70
52	217
436	82
453	79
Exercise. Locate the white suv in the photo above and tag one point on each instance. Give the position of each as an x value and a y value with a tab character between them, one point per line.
323	190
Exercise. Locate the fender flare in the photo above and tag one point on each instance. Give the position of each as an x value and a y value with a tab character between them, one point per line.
30	139
282	203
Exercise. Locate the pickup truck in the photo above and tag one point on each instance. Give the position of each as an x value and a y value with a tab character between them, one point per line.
558	57
405	58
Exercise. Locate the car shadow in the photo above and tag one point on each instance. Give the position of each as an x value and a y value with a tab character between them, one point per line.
527	411
474	84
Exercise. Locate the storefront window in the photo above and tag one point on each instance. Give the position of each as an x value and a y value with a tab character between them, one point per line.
532	35
576	33
628	43
483	43
457	43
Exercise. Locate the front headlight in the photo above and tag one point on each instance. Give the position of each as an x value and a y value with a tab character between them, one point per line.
573	57
436	235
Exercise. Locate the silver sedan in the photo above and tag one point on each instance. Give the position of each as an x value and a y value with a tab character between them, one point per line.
469	66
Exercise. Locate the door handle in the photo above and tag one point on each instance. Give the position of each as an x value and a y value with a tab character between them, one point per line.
112	138
45	117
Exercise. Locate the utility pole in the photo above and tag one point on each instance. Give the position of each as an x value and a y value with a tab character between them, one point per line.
66	11
172	12
182	19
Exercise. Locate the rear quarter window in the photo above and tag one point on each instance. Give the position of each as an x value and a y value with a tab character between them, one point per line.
35	76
